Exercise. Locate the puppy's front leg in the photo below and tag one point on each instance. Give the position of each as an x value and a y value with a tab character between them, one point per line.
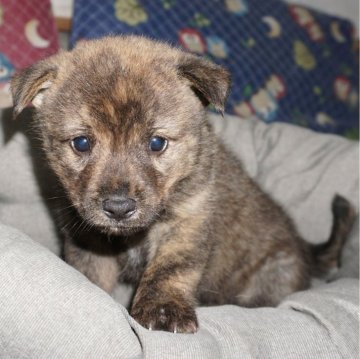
165	298
100	268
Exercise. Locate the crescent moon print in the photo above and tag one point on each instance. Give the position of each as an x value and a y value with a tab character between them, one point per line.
336	32
274	25
32	35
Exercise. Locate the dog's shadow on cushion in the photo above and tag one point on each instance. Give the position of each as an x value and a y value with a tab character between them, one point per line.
50	190
10	126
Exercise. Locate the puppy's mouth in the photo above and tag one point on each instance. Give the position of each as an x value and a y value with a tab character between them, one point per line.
124	226
134	222
120	230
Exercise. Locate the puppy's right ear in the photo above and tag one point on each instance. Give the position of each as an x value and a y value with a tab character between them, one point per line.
210	82
28	86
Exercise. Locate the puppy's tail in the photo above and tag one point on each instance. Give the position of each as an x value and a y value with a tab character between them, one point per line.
327	256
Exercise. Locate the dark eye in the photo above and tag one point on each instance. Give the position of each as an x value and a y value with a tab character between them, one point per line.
158	144
81	144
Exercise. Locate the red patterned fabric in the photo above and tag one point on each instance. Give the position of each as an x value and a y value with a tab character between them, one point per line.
27	34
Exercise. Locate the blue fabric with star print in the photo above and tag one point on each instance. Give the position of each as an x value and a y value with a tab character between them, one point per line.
288	63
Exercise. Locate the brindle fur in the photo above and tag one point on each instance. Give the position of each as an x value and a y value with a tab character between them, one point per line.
203	232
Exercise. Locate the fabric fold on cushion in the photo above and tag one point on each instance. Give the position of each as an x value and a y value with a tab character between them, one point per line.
335	307
50	310
59	313
303	326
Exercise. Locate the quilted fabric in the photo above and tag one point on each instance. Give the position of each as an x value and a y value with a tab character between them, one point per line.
27	34
288	63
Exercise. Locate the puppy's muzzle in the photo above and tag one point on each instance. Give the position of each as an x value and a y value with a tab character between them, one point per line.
119	208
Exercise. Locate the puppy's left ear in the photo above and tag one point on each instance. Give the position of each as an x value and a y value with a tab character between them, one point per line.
210	82
28	85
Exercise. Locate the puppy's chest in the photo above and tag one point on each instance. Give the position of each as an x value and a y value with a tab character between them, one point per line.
141	250
132	264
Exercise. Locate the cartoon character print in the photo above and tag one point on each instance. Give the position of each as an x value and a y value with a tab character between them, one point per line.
342	88
130	12
244	109
238	7
264	103
344	91
276	86
192	40
324	120
306	20
6	69
217	47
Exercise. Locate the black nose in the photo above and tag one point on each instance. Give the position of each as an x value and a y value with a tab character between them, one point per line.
119	208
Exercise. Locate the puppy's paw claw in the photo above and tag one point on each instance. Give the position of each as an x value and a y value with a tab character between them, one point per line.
168	316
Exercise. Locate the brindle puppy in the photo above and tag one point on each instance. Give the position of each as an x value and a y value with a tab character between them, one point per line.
165	206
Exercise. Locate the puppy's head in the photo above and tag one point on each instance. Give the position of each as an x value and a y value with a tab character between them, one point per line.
121	120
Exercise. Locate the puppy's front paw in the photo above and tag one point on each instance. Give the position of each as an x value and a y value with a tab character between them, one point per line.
169	316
